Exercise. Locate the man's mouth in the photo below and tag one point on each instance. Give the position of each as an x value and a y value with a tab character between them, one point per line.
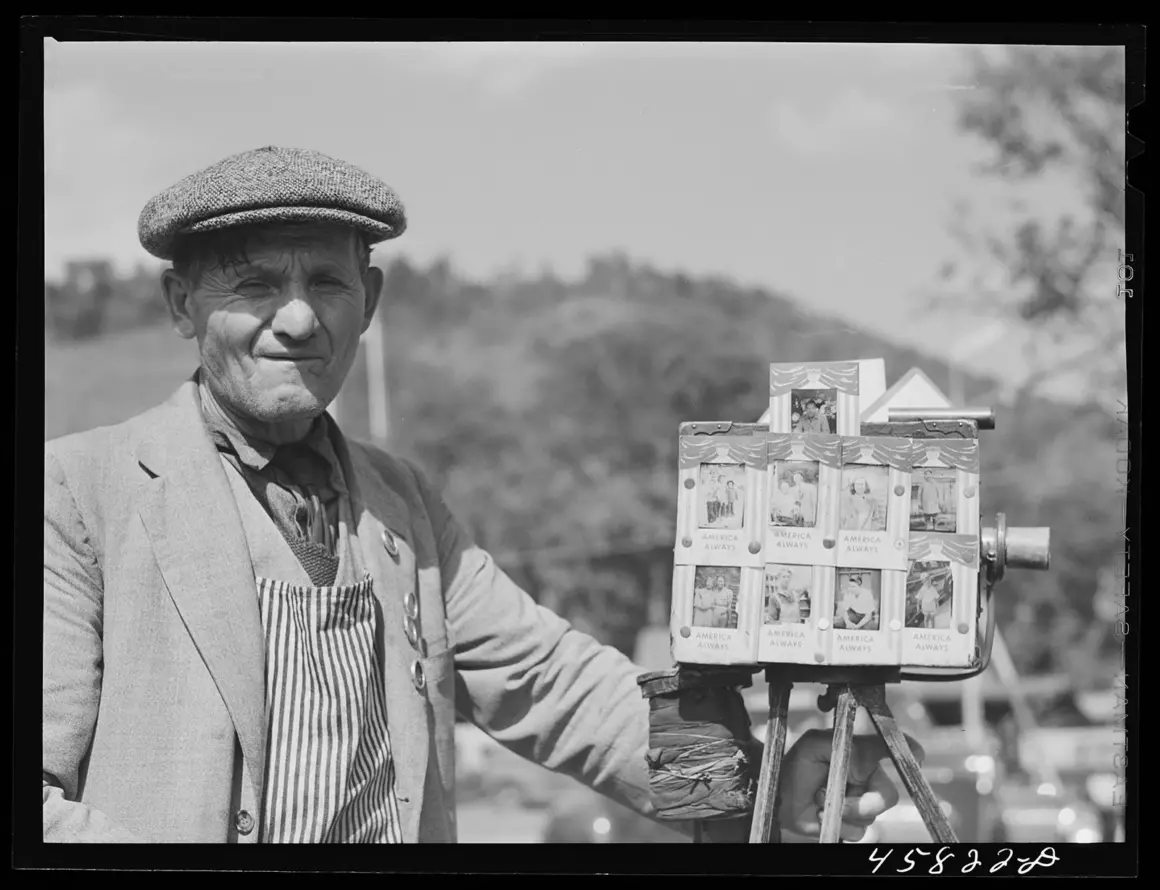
292	358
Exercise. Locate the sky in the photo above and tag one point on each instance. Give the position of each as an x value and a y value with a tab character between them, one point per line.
829	173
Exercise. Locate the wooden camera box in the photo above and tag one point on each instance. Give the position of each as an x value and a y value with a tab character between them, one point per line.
813	540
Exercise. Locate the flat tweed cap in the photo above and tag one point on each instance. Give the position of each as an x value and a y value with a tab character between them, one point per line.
271	185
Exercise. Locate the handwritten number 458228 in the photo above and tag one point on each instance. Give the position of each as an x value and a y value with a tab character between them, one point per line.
915	859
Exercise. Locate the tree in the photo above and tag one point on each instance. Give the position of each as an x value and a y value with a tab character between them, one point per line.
1051	121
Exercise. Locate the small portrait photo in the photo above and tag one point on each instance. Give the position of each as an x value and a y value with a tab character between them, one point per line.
814	410
787	594
794	498
715	592
929	595
865	491
933	500
721	498
858	600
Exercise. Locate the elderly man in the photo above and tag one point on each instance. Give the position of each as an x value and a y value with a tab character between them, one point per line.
257	630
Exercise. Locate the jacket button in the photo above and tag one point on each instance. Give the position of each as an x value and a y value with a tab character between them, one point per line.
417	676
244	822
389	543
411	629
411	604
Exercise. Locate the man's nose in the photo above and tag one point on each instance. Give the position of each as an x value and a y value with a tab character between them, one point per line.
295	317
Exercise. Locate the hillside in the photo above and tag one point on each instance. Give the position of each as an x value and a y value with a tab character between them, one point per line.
547	412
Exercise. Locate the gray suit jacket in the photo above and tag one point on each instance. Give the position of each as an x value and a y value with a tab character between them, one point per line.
153	675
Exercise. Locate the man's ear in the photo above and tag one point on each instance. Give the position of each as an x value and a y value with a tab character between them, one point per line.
373	287
177	296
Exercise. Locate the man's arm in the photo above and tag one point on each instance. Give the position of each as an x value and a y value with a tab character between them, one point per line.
71	677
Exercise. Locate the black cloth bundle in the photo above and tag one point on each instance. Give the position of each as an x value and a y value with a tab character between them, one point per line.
703	760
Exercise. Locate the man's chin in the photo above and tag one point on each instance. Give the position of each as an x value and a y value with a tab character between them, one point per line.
290	407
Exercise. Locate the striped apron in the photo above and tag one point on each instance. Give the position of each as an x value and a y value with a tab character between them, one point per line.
329	771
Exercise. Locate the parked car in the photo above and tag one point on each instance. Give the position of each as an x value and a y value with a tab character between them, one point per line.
1043	813
1032	793
1079	745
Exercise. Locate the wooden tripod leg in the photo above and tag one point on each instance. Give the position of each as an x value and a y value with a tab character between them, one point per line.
764	828
873	699
844	714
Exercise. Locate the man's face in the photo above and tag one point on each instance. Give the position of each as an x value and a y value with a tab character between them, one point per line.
279	332
811	409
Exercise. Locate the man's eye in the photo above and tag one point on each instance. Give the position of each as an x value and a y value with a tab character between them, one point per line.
252	285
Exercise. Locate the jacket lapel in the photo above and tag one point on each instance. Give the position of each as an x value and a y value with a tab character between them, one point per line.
200	546
377	508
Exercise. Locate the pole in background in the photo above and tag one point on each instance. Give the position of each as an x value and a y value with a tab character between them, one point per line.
337	409
378	396
973	715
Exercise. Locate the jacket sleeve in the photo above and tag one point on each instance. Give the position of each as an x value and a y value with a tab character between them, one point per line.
546	691
71	671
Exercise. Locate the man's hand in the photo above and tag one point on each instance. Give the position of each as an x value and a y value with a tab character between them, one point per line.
805	770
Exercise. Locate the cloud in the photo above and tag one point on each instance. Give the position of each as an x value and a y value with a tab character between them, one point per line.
502	70
98	165
851	120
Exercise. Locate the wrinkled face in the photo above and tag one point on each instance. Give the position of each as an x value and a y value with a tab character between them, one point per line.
278	331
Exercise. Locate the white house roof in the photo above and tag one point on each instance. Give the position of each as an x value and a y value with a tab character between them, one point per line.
913	390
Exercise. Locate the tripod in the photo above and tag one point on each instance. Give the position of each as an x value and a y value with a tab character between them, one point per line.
846	692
